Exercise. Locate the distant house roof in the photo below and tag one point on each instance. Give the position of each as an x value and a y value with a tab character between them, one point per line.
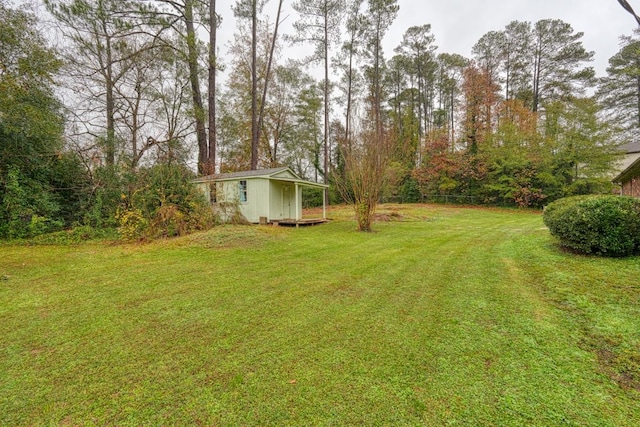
280	174
631	147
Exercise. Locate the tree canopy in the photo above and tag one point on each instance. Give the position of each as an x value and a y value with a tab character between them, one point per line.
515	123
38	177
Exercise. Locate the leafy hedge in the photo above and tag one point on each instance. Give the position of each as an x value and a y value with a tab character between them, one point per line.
163	202
604	225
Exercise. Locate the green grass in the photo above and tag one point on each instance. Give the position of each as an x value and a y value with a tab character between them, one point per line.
442	316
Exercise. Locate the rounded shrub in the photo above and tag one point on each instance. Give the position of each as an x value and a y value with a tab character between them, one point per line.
604	225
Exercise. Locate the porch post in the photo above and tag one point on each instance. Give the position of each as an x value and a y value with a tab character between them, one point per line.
324	203
297	204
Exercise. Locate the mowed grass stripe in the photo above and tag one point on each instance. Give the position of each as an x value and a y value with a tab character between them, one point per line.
446	316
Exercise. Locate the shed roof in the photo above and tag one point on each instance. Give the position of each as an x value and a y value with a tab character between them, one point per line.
261	173
244	174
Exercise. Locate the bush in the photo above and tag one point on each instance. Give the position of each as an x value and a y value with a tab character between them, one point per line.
590	186
132	224
163	202
27	208
312	197
101	210
76	235
604	225
410	191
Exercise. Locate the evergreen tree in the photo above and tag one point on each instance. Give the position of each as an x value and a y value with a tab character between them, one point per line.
620	89
419	50
558	62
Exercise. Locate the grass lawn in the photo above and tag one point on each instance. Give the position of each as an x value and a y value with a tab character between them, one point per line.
442	316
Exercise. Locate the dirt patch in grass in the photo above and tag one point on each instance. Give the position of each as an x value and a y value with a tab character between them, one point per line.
618	359
389	216
620	364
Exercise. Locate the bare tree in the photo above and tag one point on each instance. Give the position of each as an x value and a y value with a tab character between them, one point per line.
366	162
265	87
182	16
96	33
249	9
187	13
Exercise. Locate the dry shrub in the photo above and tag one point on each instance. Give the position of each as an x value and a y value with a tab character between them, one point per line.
361	184
132	224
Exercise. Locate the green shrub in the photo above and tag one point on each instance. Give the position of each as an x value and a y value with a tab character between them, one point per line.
312	197
110	183
163	202
605	225
27	208
76	235
410	191
132	225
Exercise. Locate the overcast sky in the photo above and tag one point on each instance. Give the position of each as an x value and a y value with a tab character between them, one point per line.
459	24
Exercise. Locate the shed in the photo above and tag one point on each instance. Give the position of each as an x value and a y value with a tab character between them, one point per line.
267	195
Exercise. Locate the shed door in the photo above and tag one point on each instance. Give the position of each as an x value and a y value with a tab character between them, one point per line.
286	202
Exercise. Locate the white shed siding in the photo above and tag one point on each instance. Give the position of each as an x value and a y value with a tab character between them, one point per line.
204	187
257	204
227	192
275	201
258	200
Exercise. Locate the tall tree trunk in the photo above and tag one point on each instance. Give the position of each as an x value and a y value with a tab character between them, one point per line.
135	154
110	104
326	102
421	113
452	119
192	51
347	127
254	86
213	28
354	30
638	100
507	83
377	96
269	65
536	78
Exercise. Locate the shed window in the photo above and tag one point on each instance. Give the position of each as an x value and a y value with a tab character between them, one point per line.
242	191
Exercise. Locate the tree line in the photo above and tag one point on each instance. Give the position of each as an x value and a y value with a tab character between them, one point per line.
132	93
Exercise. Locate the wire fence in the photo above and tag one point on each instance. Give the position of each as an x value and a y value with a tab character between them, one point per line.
447	199
453	199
